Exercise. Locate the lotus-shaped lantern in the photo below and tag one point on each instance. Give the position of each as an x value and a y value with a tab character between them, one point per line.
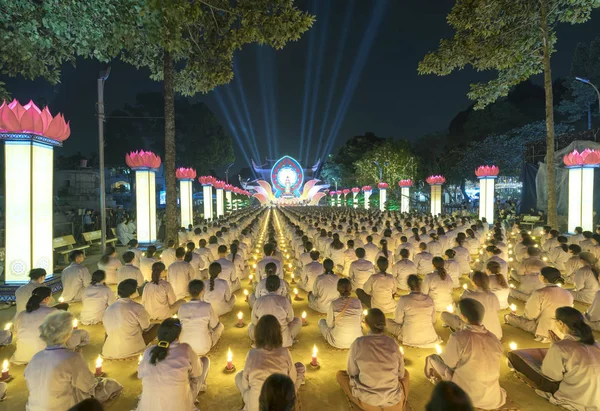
183	173
220	184
339	192
206	180
436	180
586	158
15	118
356	190
367	188
487	171
142	159
332	193
228	187
383	186
405	183
346	191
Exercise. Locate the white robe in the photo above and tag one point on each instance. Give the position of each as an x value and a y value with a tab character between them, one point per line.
424	262
200	326
124	322
341	330
123	233
74	279
501	293
453	269
23	294
95	300
324	291
586	285
168	257
262	264
439	290
179	275
170	384
229	274
414	321
542	304
401	270
130	271
381	287
281	308
371	251
110	269
146	264
491	317
158	300
309	274
219	297
359	272
592	315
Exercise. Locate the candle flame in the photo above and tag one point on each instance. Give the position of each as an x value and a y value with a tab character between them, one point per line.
8	326
140	358
98	362
438	349
304	315
512	346
5	366
511	285
75	322
246	293
545	258
401	350
61	300
315	350
251	276
292	276
513	307
229	355
365	312
464	286
450	308
253	265
174	316
290	265
240	315
296	291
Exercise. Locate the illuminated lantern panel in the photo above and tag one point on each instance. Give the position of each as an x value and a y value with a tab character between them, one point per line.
228	198
486	198
436	199
185	177
405	201
145	202
581	198
207	183
367	191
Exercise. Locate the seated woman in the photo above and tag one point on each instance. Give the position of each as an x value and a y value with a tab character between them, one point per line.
110	264
344	318
538	317
278	393
375	377
498	284
261	286
127	325
159	298
241	268
462	255
452	267
379	290
413	323
27	324
422	260
438	285
385	253
58	378
95	299
217	292
171	373
586	280
309	272
403	268
491	305
267	358
592	315
324	290
572	363
527	275
200	324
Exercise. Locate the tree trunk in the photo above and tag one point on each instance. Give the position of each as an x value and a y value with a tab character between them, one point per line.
169	165
552	212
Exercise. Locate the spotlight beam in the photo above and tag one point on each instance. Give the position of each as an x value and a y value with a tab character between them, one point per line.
238	115
272	96
264	98
307	90
240	86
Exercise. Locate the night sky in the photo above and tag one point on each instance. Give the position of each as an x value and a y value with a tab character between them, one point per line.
377	88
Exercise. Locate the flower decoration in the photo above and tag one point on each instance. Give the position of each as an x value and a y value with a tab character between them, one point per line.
367	188
487	171
15	118
356	190
339	192
346	191
183	173
586	158
332	193
206	180
383	186
436	180
142	159
405	183
219	184
228	187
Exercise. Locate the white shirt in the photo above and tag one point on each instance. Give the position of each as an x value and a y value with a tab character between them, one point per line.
179	275
360	271
28	334
593	313
423	261
74	279
124	322
227	271
219	297
463	258
345	328
381	287
324	291
401	270
197	320
168	257
110	269
146	264
439	290
586	285
23	294
95	300
157	299
278	306
309	274
541	307
129	271
262	264
371	251
416	313
491	318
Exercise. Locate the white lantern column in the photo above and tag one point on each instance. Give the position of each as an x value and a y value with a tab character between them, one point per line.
405	186
436	183
220	185
581	188
186	177
228	188
355	192
487	176
207	182
145	164
382	195
367	192
339	198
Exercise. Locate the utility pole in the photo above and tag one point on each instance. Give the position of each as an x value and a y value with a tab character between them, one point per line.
100	107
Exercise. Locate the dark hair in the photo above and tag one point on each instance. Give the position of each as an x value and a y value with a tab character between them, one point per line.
573	319
98	276
195	287
278	393
272	283
168	331
384	248
128	256
171	243
132	243
74	254
308	246
268	249
447	396
360	252
422	246
415	231
404	253
576	249
190	246
552	275
36	273
214	269
157	269
127	287
38	295
110	250
222	249
271	269
350	243
179	252
314	255
344	287
234	250
481	280
382	264
89	404
150	251
202	243
450	253
328	265
439	264
376	321
268	332
188	257
472	309
213	240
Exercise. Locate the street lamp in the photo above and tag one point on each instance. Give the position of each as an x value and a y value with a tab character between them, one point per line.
586	81
336	181
227	172
100	106
381	168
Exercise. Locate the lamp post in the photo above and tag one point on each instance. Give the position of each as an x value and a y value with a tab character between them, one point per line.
100	83
381	168
586	81
227	172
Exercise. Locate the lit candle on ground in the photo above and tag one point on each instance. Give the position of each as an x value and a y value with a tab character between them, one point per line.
401	350
465	286
250	277
174	316
140	358
438	349
314	361
296	294
61	300
254	266
229	360
246	295
513	308
511	285
8	326
303	317
365	312
75	323
5	369
98	366
450	308
290	265
512	346
545	258
240	317
293	281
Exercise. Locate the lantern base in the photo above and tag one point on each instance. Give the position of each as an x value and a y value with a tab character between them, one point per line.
242	325
8	378
296	298
229	370
103	374
315	367
305	323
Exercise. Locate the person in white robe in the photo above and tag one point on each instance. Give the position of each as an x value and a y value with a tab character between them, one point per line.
559	255
217	292
110	264
371	249
592	315
58	378
403	269
278	306
360	270
167	256
574	263
489	301
379	290
228	272
462	257
172	374
269	251
213	246
261	287
415	317
452	267
324	289
572	362
96	298
423	260
133	247
27	324
309	272
146	262
75	277
438	285
200	326
237	259
471	359
343	324
269	357
405	244
375	377
538	317
586	280
23	293
349	257
498	283
123	233
179	274
159	298
127	325
129	271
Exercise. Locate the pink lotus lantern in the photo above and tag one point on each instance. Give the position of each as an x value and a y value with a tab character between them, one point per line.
186	177
145	164
581	187
367	190
487	171
183	173
355	190
487	176
405	183
346	191
405	186
436	193
29	136
207	186
587	157
142	160
206	180
439	180
383	186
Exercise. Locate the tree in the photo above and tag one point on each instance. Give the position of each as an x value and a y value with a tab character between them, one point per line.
516	38
396	159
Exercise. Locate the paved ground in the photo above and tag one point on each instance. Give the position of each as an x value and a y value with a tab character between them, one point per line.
321	391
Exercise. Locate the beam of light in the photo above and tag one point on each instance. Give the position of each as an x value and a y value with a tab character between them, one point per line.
317	82
240	86
264	79
244	128
361	60
307	81
272	85
336	72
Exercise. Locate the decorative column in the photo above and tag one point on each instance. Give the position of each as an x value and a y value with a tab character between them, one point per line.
29	135
367	190
436	183
339	198
228	188
207	183
219	186
234	201
382	195
405	186
355	191
332	198
346	191
487	176
186	177
145	164
581	188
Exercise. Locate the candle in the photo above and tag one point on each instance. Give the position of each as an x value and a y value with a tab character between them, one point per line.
303	317
510	259
229	360
401	350
75	323
246	295
240	317
98	366
61	300
174	316
250	277
290	265
477	260
8	326
296	294
314	361
254	266
438	349
511	285
365	312
450	308
293	281
512	346
545	258
140	358
4	369
464	286
513	308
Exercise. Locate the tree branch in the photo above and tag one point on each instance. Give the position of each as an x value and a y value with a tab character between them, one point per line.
217	8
